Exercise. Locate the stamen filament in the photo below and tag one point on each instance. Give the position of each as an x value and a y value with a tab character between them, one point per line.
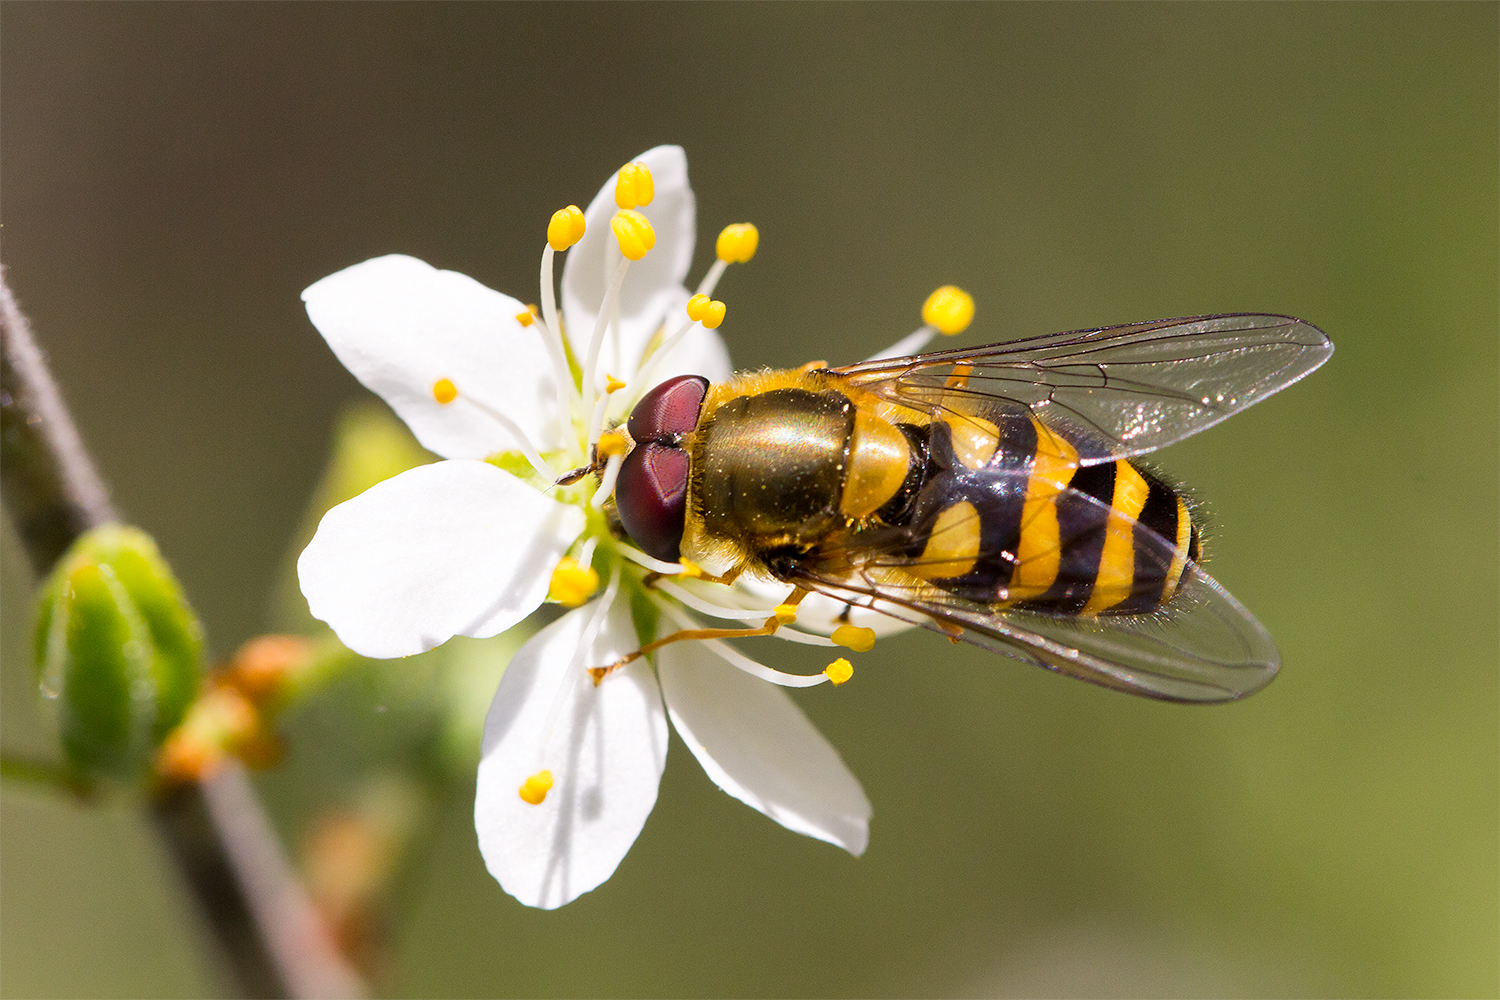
711	279
607	309
806	638
640	558
527	448
573	673
912	343
735	658
708	608
552	336
683	595
586	554
607	481
648	370
596	420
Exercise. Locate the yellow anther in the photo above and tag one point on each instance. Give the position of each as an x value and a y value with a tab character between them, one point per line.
444	391
839	671
525	318
737	243
785	613
854	637
612	443
634	186
634	232
572	584
709	312
950	309
612	384
566	227
535	788
690	569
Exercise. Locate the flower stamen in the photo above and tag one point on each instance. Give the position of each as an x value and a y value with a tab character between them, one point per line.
565	228
839	671
444	391
634	185
634	233
673	590
572	583
854	637
522	441
552	335
612	443
607	481
735	658
596	341
640	558
709	312
572	674
948	310
535	788
737	243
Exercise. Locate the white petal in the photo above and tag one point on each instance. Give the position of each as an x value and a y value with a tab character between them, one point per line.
401	325
452	548
756	744
654	283
606	751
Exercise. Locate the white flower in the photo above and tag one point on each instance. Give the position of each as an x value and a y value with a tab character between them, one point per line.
473	544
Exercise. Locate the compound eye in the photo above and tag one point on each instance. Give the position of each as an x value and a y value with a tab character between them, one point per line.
651	496
669	410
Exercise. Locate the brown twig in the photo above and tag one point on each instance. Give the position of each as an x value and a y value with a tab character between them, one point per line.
216	831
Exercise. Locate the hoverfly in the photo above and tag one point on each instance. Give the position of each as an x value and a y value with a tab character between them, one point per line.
991	494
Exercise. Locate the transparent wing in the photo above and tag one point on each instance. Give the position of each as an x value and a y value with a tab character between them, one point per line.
1203	646
1115	392
1208	648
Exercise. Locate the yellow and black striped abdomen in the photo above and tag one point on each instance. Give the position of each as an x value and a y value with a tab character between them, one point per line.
1004	516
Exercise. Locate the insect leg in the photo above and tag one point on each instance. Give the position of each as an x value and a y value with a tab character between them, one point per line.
769	628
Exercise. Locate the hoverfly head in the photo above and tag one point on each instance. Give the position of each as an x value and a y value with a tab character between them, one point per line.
651	493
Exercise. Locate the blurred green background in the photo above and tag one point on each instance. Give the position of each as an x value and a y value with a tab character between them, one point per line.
176	175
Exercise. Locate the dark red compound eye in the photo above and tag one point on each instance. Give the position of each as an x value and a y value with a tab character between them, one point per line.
651	496
669	410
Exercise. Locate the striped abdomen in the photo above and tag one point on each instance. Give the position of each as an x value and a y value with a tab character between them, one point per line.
1004	517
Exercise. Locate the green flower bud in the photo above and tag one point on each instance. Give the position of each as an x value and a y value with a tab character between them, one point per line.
118	648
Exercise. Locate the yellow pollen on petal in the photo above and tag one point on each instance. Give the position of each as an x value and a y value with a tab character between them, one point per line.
566	228
444	391
535	788
612	443
690	569
839	671
634	232
634	185
854	637
572	584
612	384
785	613
737	243
950	309
528	317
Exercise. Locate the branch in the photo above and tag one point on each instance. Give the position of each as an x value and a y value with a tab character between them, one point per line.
216	831
51	487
